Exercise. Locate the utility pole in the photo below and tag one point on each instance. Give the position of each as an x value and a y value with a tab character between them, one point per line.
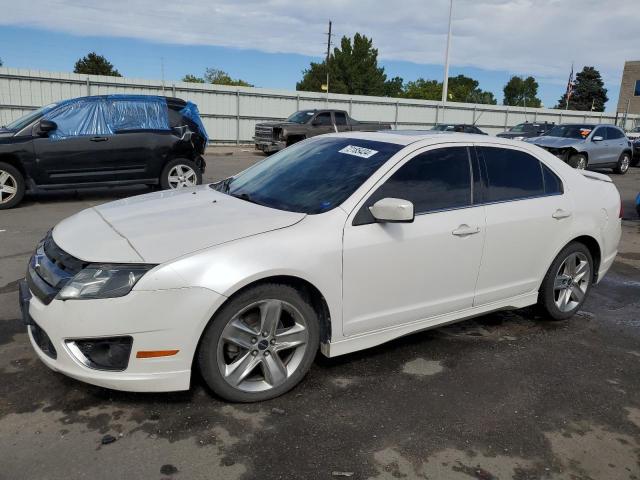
327	60
445	81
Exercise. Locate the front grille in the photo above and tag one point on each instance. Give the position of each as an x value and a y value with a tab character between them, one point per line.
264	133
50	268
43	341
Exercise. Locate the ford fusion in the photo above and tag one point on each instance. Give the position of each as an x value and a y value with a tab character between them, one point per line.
337	243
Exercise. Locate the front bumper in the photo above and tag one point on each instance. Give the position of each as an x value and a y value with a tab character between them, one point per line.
268	147
156	320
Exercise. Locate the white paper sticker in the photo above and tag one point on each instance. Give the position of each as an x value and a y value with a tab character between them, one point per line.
358	151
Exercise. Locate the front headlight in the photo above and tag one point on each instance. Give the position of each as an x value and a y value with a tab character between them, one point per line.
103	281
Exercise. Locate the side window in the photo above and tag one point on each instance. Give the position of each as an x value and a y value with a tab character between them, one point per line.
511	174
341	118
614	134
552	184
80	117
435	180
600	132
323	118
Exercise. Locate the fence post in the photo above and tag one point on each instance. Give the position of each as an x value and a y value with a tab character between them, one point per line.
396	120
237	117
173	90
297	102
473	118
88	87
506	118
350	105
437	113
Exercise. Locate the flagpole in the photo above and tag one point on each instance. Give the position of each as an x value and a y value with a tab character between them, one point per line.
445	80
569	88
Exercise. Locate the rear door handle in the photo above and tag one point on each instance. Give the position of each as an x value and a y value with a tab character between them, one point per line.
99	139
560	214
465	230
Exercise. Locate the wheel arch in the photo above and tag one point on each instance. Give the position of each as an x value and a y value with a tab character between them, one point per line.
594	249
305	287
14	162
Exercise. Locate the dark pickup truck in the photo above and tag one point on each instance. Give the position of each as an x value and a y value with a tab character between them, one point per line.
274	136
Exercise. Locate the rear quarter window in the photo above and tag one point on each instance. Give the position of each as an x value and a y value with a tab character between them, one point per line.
511	174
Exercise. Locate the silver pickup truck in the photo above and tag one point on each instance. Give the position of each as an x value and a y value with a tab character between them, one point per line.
274	136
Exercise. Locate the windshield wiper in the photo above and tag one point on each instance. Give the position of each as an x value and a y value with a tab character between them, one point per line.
246	197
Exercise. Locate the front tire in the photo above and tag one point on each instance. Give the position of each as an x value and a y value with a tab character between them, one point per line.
578	161
567	282
260	344
180	173
12	186
623	164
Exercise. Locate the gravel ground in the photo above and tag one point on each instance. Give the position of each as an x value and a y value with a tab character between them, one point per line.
506	395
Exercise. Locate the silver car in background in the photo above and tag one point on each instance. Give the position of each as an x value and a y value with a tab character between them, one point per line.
588	146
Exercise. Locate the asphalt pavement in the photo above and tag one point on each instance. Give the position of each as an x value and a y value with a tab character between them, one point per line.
506	395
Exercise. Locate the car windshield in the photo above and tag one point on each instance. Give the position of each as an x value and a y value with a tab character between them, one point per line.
312	176
25	120
517	128
570	131
443	127
302	116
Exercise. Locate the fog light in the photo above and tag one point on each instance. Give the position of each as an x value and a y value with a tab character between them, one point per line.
102	353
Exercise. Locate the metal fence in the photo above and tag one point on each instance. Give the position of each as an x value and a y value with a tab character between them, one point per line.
230	113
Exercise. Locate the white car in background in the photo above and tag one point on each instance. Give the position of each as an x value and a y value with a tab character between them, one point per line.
338	243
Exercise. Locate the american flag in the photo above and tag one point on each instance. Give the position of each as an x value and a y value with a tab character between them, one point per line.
570	85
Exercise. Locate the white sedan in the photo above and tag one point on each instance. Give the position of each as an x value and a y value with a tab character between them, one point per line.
337	243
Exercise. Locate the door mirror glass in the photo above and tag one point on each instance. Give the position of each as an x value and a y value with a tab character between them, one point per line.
393	210
46	126
598	138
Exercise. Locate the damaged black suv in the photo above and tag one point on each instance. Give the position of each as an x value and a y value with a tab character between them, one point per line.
101	141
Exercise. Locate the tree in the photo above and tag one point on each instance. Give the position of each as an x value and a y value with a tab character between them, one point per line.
353	69
94	64
394	87
521	92
192	79
466	89
422	89
460	89
588	92
220	77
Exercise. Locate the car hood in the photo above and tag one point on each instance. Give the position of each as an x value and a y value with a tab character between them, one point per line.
161	226
554	142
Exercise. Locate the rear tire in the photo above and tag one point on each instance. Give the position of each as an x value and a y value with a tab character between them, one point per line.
12	186
567	282
260	344
623	164
180	173
578	161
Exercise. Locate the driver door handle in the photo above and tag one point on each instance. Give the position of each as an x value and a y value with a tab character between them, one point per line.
99	139
560	214
465	230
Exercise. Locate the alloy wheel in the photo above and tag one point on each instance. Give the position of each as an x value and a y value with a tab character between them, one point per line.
262	345
8	187
182	176
582	163
571	282
624	163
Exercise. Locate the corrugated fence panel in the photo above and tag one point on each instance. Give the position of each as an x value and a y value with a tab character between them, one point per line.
230	113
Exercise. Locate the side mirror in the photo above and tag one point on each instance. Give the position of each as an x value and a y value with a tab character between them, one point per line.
393	210
46	126
597	138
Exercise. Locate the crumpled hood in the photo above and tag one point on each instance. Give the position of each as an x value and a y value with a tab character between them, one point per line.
161	226
554	142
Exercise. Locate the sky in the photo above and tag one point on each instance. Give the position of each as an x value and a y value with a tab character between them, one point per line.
270	42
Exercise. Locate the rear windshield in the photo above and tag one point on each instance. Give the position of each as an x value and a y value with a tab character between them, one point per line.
312	176
570	131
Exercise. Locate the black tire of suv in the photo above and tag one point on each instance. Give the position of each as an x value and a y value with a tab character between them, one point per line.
207	357
546	294
20	185
164	176
620	169
575	160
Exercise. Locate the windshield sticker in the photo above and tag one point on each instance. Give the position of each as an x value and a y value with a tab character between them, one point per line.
358	151
585	132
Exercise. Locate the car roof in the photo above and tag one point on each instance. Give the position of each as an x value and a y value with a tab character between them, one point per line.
407	137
